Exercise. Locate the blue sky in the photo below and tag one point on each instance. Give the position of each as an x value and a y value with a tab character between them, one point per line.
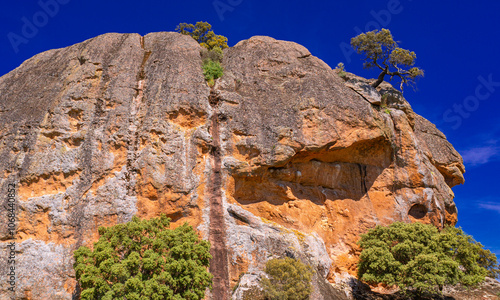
457	44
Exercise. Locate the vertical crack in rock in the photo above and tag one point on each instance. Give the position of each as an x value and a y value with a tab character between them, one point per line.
217	229
362	173
134	122
88	176
78	214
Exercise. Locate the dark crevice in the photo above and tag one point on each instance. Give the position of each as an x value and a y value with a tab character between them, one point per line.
213	99
133	140
142	42
77	292
239	217
142	75
217	229
132	144
78	212
362	173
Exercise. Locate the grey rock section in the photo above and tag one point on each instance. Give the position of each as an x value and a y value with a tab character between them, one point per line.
489	289
55	110
366	91
441	153
83	128
46	263
263	241
249	287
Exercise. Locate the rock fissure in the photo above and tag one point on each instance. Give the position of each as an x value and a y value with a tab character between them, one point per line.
217	229
362	171
80	203
86	181
134	121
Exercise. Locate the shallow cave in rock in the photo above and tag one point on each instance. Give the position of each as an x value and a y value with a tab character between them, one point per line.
317	176
418	211
315	181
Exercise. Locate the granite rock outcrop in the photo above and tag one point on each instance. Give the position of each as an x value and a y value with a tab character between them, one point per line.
290	158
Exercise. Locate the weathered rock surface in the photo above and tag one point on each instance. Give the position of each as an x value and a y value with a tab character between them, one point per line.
121	125
365	90
309	153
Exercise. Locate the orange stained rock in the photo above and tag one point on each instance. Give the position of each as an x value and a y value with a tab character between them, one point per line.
46	184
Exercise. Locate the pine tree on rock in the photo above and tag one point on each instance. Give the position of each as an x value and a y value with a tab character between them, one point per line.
381	51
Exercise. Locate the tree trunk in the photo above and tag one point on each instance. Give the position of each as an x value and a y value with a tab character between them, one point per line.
380	78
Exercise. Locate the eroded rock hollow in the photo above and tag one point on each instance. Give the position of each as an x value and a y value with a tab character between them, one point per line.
290	160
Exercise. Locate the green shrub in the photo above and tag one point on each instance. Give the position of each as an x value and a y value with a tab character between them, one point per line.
419	258
212	70
289	279
143	259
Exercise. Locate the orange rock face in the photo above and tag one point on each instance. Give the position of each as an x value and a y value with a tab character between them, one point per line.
312	155
122	125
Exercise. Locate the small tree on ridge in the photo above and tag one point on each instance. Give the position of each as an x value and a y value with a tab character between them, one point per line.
203	34
381	51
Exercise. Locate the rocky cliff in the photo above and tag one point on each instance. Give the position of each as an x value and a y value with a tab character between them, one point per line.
281	157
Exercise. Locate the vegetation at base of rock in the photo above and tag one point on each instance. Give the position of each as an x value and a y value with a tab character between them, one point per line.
144	259
418	258
381	51
212	70
202	33
288	279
